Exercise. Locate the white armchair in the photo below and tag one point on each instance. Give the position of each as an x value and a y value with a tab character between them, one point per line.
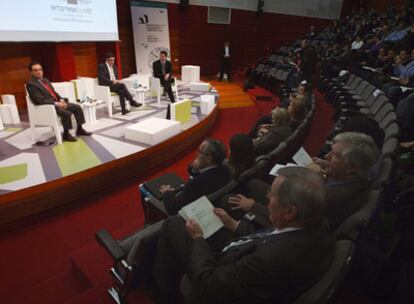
89	87
156	89
43	115
65	89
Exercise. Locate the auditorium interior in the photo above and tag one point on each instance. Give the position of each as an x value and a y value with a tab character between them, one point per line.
205	151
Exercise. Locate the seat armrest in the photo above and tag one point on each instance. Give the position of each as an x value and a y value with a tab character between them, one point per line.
111	246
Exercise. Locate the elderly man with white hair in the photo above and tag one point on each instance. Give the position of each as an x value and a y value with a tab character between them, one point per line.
346	172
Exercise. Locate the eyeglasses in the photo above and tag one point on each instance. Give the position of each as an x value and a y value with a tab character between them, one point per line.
203	153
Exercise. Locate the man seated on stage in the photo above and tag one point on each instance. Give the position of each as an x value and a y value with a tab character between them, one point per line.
209	175
162	69
41	92
274	265
108	76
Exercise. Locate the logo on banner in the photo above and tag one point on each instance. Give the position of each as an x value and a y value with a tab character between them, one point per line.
143	20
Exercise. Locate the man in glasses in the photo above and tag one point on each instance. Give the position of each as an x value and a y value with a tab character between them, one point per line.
209	175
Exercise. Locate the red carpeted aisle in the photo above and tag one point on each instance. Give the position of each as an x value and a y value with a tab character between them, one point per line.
56	259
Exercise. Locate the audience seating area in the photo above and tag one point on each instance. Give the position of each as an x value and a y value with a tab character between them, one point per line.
350	95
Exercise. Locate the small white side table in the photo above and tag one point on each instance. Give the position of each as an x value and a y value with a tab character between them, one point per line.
89	109
140	93
9	114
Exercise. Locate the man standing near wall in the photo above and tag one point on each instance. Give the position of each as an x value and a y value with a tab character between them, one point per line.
225	61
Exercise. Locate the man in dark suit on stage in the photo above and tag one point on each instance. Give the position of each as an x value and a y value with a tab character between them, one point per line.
41	92
108	76
162	69
271	266
208	175
225	61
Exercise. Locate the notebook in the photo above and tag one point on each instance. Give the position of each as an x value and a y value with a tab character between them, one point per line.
171	179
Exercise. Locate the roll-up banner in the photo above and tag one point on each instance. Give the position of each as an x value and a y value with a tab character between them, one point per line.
151	33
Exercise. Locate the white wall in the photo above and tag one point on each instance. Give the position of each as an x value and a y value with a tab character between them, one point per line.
325	9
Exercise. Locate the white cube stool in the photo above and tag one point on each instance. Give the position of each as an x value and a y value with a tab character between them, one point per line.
207	104
9	114
8	99
190	73
152	130
200	86
1	124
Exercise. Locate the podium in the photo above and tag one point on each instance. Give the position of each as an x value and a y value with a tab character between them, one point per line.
190	73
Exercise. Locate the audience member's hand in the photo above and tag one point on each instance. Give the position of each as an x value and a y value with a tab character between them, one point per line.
229	222
166	76
115	81
165	188
241	202
316	168
319	161
194	229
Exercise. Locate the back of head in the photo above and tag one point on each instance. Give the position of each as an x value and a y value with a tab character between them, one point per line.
241	153
366	125
360	151
304	189
280	117
298	108
217	150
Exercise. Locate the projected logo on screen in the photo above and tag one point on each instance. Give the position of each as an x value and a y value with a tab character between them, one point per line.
143	19
155	54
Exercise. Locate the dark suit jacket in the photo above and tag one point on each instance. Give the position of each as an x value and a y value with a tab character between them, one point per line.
344	198
157	69
270	140
103	74
275	269
38	93
203	184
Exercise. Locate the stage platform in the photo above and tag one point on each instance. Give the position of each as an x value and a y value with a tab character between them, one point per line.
35	178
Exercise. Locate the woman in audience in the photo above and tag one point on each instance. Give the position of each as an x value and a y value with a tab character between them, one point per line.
271	136
297	111
242	155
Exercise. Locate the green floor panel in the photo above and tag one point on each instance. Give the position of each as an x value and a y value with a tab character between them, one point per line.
73	157
12	130
12	173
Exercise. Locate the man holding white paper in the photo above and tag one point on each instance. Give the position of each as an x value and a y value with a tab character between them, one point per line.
209	176
271	266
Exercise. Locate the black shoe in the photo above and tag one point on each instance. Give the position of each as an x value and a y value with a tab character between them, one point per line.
135	104
124	112
83	132
68	137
